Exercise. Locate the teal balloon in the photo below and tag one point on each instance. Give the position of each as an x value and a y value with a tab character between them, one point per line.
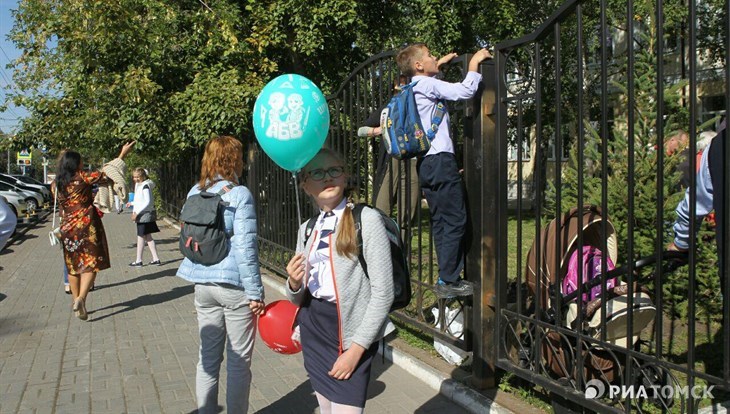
291	120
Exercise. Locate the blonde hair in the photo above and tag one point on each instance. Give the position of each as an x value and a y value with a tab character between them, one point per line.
141	171
346	244
406	58
223	158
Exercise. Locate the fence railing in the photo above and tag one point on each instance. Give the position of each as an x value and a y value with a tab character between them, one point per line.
390	186
599	84
585	111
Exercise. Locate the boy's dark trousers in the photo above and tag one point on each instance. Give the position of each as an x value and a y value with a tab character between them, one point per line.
441	184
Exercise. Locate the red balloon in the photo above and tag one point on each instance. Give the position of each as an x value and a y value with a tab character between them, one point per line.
276	327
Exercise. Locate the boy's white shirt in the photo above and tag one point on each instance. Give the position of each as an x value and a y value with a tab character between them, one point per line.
428	91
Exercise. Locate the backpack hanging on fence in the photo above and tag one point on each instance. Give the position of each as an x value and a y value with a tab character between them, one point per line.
401	275
203	237
403	134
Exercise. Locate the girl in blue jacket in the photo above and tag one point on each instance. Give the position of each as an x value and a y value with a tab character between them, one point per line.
228	294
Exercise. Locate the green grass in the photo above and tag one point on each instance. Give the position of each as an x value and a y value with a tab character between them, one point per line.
528	234
414	336
530	393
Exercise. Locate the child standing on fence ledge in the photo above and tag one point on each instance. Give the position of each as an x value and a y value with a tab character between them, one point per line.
343	310
437	170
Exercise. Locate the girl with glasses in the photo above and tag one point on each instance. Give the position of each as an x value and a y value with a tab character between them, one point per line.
343	310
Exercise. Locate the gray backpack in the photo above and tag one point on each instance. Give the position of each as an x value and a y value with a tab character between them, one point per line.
203	236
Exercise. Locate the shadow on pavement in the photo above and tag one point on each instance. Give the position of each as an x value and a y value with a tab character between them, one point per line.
148	277
167	240
145	300
300	400
219	408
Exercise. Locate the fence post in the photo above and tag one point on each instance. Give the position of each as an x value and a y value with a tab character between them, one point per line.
480	173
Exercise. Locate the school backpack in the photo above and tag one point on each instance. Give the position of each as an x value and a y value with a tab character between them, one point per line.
203	237
592	258
401	275
403	134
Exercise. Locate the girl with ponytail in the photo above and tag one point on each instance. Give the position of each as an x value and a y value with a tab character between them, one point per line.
343	310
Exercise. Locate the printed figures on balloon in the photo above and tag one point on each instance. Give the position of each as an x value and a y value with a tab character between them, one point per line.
291	120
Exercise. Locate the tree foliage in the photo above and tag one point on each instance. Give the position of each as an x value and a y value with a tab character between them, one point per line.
171	74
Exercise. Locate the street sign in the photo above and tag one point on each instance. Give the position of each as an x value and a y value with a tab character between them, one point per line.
25	157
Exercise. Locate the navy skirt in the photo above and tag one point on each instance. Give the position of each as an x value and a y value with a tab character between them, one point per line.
144	229
320	346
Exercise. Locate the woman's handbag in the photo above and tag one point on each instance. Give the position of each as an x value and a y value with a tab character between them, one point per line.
149	216
55	234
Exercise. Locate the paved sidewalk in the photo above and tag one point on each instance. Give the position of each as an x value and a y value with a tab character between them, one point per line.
138	351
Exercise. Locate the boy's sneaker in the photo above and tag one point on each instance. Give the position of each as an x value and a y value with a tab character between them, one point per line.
454	289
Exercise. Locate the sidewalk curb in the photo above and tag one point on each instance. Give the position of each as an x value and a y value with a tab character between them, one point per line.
459	393
466	397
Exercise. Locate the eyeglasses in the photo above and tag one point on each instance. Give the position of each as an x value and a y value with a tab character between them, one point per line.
319	174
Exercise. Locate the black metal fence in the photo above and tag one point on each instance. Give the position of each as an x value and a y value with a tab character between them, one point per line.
593	103
391	186
177	178
585	111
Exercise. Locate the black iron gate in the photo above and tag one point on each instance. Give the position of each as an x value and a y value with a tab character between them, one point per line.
587	111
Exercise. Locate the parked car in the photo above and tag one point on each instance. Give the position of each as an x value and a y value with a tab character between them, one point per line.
33	199
30	180
27	183
15	201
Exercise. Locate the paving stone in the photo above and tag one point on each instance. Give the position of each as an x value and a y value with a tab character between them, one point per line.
138	352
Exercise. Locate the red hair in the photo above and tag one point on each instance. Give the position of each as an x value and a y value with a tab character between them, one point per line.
223	159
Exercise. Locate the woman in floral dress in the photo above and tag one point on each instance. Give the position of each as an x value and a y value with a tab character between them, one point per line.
85	249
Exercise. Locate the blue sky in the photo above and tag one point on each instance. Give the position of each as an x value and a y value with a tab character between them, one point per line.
9	119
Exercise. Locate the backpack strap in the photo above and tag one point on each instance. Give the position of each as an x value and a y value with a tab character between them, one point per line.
226	188
310	227
357	218
436	118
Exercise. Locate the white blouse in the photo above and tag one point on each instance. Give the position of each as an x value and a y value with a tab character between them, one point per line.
321	280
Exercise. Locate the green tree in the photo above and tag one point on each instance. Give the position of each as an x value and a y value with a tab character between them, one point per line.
171	74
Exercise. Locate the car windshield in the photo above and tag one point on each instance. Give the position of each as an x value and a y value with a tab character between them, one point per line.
27	180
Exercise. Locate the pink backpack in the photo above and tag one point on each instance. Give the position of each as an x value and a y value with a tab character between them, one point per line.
592	258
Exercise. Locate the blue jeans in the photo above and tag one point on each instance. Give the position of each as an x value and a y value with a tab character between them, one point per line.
65	274
224	319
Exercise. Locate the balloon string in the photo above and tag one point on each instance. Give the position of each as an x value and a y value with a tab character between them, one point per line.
296	192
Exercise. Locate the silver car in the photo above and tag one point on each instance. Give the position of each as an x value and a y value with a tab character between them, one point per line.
32	198
24	180
15	201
